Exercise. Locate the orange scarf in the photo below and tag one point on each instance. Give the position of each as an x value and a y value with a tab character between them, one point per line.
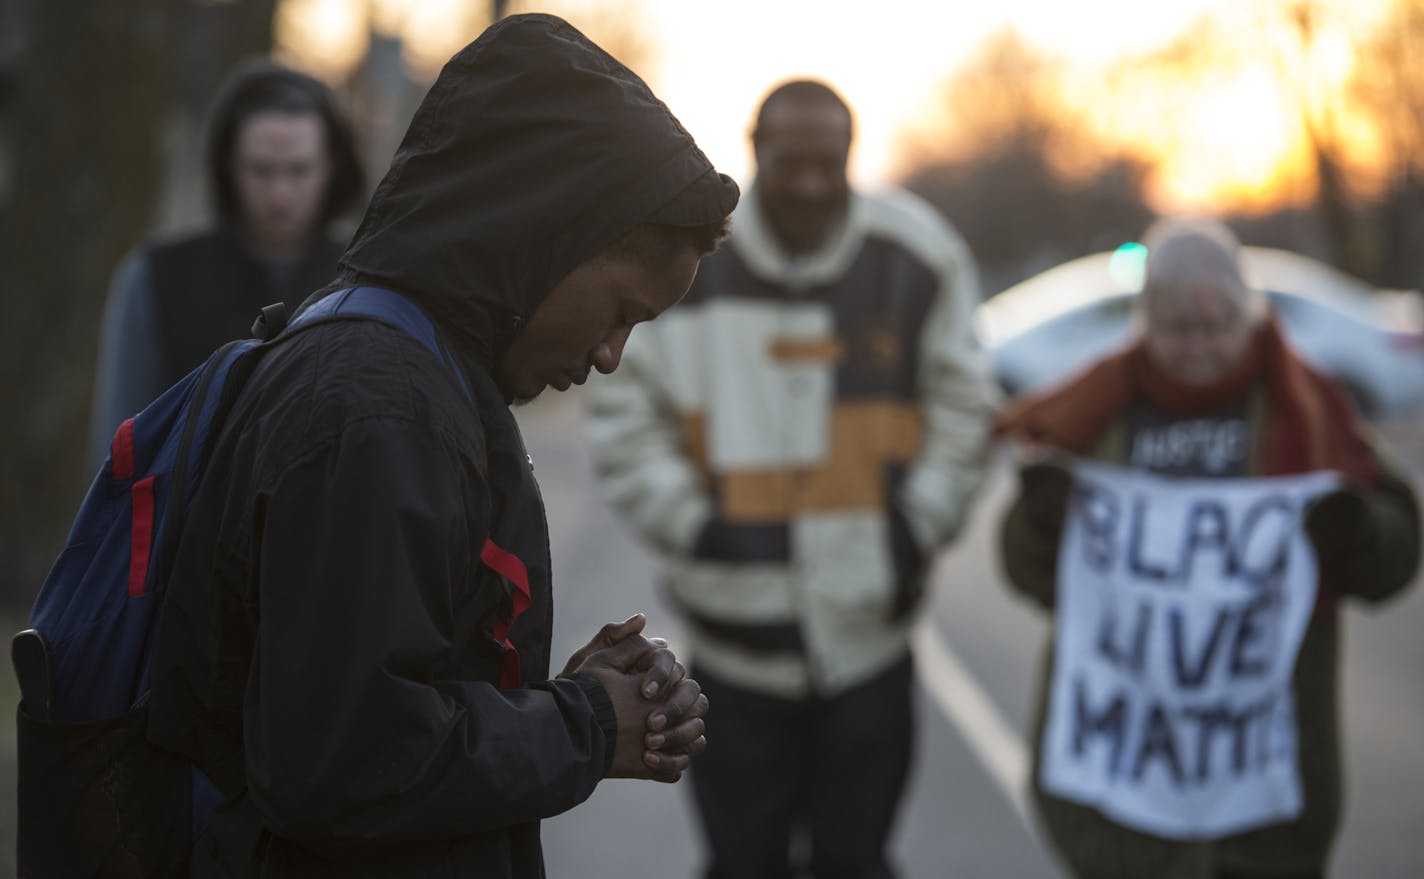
1309	424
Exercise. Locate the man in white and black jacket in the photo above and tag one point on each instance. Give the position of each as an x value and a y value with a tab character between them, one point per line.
797	439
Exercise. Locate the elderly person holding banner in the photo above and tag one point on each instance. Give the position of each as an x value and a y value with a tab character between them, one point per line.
1192	509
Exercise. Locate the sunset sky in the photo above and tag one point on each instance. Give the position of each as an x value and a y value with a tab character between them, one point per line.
1225	134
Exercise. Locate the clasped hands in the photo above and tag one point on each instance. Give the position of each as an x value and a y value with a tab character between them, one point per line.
659	709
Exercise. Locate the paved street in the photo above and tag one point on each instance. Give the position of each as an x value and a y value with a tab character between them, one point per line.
964	816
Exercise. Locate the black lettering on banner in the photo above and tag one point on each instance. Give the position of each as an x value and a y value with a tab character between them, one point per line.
1242	723
1167	735
1110	645
1257	552
1251	651
1209	721
1238	637
1111	722
1139	566
1189	674
1097	509
1239	724
1263	541
1158	743
1207	528
1245	630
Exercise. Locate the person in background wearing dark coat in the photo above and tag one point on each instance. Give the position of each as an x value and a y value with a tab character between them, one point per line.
1200	776
282	165
355	648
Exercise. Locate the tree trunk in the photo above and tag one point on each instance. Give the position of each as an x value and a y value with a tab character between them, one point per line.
84	125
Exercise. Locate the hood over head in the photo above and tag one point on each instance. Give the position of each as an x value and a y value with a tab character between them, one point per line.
532	151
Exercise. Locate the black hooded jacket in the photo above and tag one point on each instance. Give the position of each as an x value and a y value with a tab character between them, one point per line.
338	649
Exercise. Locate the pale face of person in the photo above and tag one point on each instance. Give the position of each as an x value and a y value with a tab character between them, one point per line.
801	153
280	170
585	321
1198	334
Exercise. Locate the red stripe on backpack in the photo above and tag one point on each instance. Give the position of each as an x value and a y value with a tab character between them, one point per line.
508	566
121	451
141	541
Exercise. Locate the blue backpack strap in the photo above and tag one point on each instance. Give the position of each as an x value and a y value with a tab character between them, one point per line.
234	361
390	307
205	415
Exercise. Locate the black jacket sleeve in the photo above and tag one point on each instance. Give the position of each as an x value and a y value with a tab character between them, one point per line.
1386	562
1032	529
356	731
1029	555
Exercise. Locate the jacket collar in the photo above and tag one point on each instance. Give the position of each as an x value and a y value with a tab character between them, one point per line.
758	245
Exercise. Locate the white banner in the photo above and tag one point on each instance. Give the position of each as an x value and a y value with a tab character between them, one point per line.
1180	611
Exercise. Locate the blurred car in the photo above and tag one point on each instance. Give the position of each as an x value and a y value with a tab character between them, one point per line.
1046	328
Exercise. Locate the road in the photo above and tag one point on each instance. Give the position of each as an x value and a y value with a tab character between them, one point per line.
978	653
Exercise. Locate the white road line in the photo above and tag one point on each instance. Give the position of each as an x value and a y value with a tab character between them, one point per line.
965	705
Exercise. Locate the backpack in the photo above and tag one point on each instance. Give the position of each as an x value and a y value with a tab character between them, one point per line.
96	798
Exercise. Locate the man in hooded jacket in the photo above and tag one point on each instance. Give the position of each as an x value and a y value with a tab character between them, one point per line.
356	645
